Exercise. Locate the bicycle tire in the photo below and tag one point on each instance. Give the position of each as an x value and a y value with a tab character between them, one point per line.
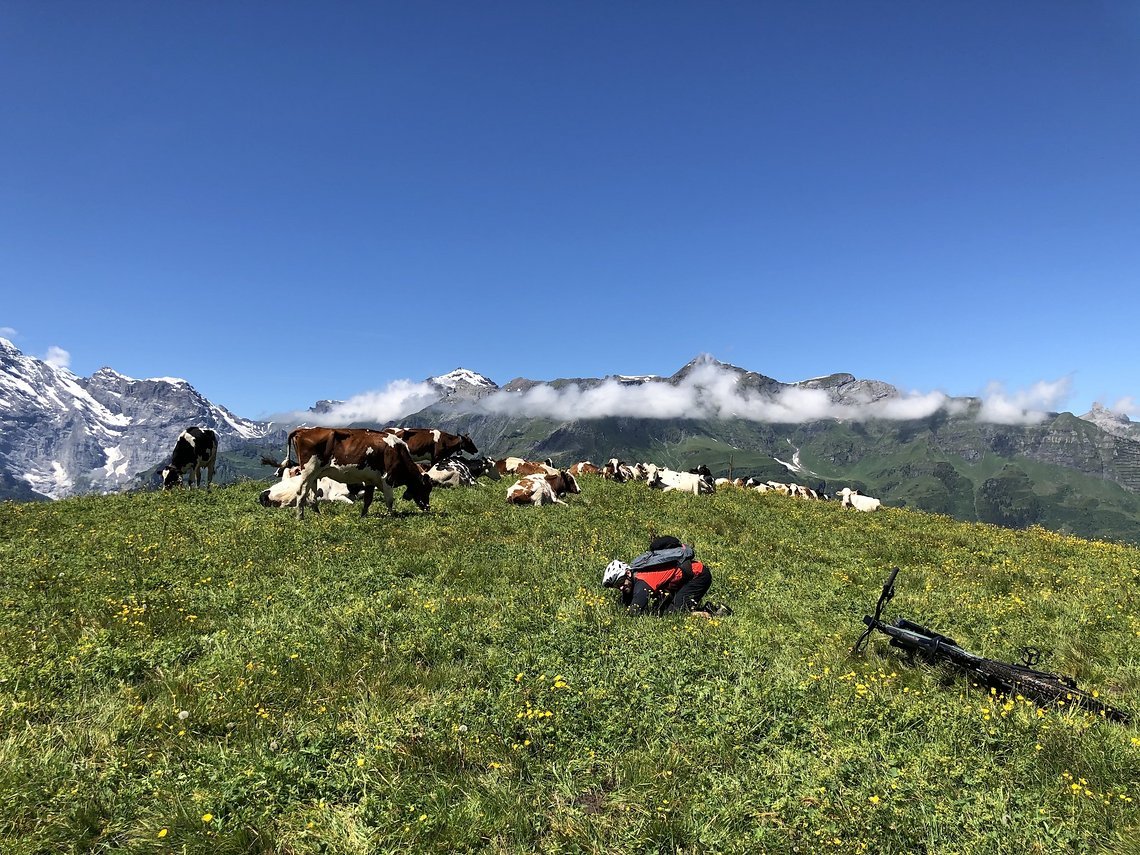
1043	687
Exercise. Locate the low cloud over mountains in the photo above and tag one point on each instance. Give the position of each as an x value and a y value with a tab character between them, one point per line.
707	389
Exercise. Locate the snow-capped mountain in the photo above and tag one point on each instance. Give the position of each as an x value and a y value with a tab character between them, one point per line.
462	383
62	434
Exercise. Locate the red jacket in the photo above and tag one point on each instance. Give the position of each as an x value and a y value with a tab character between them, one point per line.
667	579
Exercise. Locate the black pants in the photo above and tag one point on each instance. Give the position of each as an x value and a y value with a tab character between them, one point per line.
689	595
684	599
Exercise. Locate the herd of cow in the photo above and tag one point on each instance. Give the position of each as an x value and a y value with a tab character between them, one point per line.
343	464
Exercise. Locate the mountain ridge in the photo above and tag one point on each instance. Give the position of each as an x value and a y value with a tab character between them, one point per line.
61	434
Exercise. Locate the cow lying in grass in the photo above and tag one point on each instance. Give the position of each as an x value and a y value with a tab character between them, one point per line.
668	480
284	493
849	498
521	466
539	489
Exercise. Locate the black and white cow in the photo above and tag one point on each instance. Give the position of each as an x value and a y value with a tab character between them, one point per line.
195	448
481	466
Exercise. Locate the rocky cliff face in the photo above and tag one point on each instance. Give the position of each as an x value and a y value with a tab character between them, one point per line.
61	434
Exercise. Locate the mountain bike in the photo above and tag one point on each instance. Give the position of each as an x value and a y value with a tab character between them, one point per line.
1042	687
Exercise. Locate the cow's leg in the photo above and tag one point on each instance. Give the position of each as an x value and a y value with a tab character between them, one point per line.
389	494
308	486
369	492
209	475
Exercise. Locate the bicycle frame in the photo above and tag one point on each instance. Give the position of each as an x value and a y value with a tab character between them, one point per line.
933	647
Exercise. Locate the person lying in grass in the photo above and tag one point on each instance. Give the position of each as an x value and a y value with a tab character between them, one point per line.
666	578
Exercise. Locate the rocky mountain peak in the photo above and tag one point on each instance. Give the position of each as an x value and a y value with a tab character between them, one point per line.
846	389
1117	424
62	434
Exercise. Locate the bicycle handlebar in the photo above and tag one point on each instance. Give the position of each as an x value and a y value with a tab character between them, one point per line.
933	647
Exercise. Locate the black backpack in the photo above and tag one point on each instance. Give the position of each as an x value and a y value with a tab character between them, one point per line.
665	551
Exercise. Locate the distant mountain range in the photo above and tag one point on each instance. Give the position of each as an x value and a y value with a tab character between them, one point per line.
62	435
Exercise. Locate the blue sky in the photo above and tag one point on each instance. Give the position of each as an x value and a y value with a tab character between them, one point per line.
283	202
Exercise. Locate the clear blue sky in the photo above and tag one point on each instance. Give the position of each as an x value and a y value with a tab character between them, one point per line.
282	202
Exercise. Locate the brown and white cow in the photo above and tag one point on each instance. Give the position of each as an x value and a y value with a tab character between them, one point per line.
533	467
539	489
508	465
357	456
521	466
434	444
196	447
584	467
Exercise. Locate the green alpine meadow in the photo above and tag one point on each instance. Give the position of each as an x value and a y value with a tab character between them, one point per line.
191	672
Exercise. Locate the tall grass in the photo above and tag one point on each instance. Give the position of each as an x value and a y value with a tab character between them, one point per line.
192	672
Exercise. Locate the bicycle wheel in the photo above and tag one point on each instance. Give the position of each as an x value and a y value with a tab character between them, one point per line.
1043	688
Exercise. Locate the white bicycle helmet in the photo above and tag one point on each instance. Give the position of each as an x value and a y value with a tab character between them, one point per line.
613	573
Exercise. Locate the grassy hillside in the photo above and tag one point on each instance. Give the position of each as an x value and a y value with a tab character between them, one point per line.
1070	477
192	672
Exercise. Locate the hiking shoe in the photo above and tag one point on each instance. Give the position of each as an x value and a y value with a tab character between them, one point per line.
722	610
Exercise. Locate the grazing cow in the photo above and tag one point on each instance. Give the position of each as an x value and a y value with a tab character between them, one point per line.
196	447
855	499
668	480
539	489
434	444
357	456
584	467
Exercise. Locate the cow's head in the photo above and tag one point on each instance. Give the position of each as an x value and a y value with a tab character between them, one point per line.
171	477
570	482
467	445
488	468
419	490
